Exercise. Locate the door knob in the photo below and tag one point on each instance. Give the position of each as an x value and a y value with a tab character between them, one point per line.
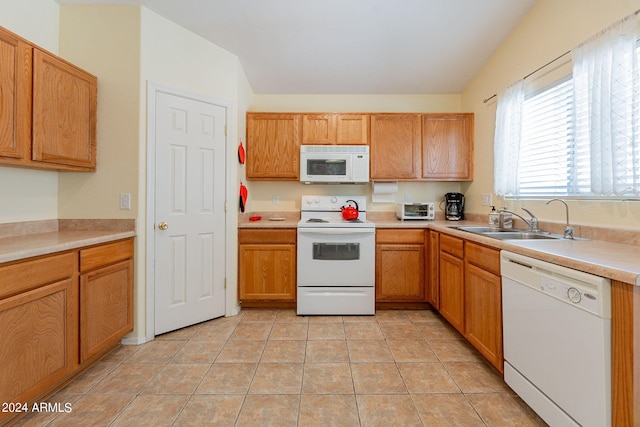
163	225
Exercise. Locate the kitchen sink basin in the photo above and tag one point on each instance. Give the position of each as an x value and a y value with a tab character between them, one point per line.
483	230
510	233
521	235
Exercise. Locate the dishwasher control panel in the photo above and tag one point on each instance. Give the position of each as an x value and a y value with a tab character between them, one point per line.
585	297
582	290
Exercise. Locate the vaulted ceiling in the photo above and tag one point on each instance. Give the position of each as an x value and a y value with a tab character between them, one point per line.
350	46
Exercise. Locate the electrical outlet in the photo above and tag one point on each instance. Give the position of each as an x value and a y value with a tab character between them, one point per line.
125	201
408	198
486	200
275	200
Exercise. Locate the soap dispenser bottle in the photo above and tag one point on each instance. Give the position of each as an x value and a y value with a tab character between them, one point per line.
494	218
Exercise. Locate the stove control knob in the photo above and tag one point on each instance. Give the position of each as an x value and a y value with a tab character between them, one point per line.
574	295
334	199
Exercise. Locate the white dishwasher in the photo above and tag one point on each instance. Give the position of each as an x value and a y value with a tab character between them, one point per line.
557	340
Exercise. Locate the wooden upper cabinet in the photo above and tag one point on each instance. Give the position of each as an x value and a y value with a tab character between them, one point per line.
353	129
64	113
15	98
319	129
395	146
447	147
273	146
48	109
332	129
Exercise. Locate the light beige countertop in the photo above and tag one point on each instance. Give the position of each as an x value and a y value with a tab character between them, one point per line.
269	220
35	238
603	258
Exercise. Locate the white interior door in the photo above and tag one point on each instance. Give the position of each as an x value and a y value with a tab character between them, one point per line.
189	242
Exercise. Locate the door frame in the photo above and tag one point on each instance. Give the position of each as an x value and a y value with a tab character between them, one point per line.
152	90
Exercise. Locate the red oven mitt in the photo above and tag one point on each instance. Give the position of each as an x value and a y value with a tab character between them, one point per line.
241	154
243	197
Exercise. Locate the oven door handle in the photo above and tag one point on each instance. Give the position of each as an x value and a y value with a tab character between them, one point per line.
338	231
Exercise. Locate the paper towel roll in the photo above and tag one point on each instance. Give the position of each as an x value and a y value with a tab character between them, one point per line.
384	191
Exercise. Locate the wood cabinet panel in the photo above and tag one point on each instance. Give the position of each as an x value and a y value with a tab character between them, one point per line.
267	272
483	257
266	236
105	254
452	245
15	98
64	113
273	146
24	275
352	129
39	341
106	307
452	289
395	146
398	236
625	351
400	272
319	129
483	313
447	147
433	268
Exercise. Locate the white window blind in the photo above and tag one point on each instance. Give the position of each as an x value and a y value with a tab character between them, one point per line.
547	141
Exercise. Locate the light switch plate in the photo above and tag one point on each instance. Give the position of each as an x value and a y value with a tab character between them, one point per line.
486	200
125	201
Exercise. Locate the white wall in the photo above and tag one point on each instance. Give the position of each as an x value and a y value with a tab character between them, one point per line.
28	195
551	28
88	39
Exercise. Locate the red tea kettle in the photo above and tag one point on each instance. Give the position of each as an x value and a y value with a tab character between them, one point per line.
350	212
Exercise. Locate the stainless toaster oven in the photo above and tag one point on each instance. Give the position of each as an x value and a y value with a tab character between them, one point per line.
415	211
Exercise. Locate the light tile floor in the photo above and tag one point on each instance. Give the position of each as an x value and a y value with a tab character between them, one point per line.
273	368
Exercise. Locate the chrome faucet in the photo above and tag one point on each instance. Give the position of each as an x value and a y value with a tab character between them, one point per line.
531	222
568	230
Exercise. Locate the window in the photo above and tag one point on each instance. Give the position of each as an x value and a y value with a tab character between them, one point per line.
553	162
578	136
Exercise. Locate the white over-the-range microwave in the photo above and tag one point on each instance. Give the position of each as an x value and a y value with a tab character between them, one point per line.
334	164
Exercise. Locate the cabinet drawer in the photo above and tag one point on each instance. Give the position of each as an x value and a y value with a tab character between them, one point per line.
400	236
25	275
452	245
271	235
483	257
105	254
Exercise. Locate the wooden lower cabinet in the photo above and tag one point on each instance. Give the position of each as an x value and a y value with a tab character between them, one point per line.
106	297
56	319
39	335
400	265
267	265
433	271
451	271
470	294
483	313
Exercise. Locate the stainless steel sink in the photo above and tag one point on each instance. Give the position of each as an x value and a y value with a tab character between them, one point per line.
510	233
522	235
483	230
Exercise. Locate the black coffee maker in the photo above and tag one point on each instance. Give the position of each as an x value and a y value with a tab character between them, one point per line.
454	206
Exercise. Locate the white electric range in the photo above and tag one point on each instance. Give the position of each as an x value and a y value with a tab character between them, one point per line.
336	258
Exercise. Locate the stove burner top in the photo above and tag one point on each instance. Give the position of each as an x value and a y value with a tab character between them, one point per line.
317	220
357	220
